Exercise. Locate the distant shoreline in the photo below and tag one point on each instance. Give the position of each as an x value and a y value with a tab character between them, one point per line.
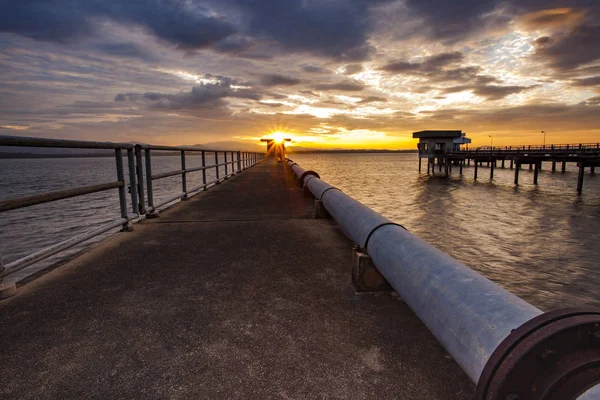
351	151
6	156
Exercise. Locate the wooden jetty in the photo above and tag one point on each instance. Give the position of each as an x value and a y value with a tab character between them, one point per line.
583	155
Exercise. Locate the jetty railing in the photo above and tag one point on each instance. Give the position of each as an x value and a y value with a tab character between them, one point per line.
233	162
551	149
135	153
510	349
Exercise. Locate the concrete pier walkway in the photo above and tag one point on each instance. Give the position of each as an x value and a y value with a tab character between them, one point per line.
237	293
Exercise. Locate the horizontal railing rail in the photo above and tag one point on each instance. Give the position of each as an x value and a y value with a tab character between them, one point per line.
508	347
232	161
552	149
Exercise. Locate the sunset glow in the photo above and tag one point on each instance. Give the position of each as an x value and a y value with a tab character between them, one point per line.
339	74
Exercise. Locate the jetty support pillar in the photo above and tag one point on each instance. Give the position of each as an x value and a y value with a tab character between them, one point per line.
581	166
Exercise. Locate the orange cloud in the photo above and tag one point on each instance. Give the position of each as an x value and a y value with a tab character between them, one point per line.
550	19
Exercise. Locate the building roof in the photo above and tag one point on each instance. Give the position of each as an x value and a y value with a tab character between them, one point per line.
437	134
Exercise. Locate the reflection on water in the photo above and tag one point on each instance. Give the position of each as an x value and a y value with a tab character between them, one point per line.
26	230
540	242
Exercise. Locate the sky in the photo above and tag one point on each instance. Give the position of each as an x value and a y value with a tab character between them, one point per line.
327	73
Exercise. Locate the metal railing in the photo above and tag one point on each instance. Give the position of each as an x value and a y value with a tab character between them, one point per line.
552	149
508	348
135	154
233	162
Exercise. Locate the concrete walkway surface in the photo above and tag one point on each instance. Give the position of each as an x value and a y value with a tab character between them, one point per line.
235	294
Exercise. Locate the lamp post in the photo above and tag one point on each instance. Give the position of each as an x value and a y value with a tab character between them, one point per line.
491	141
544	138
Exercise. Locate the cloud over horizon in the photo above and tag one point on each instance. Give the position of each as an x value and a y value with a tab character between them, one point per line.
326	71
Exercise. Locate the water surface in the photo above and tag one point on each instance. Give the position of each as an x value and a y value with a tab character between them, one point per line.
540	242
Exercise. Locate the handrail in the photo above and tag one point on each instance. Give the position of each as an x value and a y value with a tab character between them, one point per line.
504	344
138	155
27	201
531	148
25	141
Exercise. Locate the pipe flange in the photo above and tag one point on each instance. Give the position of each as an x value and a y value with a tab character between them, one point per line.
327	190
308	179
554	356
366	244
301	179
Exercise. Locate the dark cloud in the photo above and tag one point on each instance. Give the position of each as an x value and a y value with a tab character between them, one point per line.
348	86
592	101
206	96
372	99
234	44
451	21
591	81
314	69
571	50
70	20
489	92
353	69
273	105
336	29
127	50
432	63
278	80
440	68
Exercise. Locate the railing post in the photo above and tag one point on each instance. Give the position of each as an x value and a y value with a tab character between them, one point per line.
225	157
204	170
239	161
183	176
6	289
139	167
217	165
153	213
122	192
132	181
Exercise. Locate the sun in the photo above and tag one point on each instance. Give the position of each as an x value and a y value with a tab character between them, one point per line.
278	137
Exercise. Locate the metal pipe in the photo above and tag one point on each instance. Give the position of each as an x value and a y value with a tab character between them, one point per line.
13	204
121	178
167	174
50	251
132	181
217	165
183	175
203	168
469	314
24	141
139	168
149	178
